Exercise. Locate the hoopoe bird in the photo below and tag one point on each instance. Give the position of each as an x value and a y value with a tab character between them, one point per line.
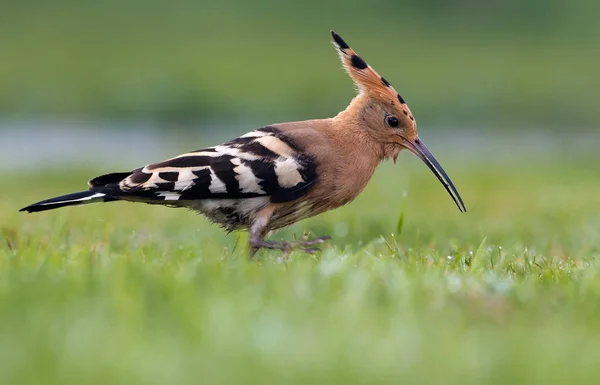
276	175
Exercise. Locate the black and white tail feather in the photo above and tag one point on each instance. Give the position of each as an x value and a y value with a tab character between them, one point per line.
226	182
78	198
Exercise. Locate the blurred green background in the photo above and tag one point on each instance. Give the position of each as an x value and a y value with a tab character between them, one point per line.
501	64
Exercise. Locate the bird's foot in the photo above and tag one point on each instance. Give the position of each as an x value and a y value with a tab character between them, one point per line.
304	244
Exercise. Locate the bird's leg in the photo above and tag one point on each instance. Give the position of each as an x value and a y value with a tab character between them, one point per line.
258	231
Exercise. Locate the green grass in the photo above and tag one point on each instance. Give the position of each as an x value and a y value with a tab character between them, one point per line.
126	294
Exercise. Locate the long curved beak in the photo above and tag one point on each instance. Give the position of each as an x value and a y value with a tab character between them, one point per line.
420	150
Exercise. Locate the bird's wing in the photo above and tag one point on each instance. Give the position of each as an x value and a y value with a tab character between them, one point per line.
260	163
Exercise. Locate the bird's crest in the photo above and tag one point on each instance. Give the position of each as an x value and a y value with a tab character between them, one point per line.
363	75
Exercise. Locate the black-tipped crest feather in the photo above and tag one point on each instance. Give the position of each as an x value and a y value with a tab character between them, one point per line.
339	41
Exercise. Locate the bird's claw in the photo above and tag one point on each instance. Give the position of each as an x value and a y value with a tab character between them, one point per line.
287	247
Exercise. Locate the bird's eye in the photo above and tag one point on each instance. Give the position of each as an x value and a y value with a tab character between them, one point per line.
392	121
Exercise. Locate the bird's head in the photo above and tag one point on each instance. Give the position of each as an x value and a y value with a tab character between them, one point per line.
386	116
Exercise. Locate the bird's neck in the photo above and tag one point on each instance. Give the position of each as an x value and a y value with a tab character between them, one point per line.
349	127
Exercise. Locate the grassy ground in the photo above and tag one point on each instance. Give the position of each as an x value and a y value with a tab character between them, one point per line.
126	294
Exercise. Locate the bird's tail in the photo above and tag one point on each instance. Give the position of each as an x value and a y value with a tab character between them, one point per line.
78	198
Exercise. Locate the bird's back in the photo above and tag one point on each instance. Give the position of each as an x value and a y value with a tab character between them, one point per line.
228	182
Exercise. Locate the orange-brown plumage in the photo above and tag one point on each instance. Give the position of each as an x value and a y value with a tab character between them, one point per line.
277	175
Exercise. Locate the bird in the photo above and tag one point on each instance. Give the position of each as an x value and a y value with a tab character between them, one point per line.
279	174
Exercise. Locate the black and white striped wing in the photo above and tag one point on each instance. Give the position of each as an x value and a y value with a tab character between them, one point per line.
260	163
